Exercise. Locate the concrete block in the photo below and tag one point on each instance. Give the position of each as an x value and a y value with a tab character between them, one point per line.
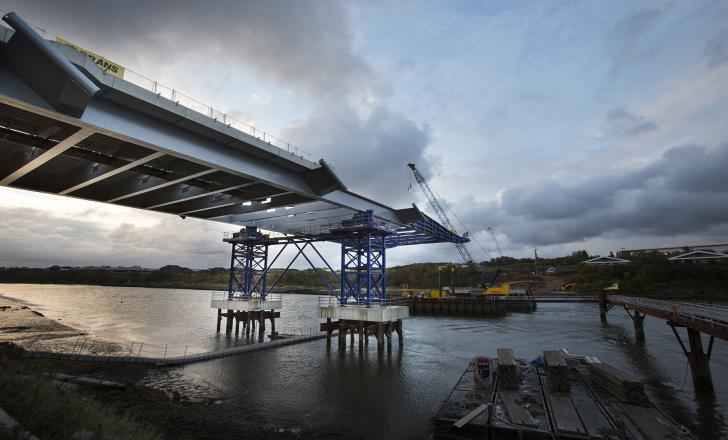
362	313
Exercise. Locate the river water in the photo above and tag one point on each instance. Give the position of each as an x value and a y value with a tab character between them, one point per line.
349	395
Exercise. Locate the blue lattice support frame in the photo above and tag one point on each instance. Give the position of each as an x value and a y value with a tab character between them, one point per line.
363	270
248	267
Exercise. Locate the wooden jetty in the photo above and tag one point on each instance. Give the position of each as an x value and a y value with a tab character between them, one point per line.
600	402
696	318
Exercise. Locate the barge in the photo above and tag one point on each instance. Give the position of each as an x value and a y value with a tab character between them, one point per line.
558	396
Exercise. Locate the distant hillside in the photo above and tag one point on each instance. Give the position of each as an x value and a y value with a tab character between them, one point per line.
648	274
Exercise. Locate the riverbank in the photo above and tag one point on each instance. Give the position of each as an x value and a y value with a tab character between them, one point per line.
135	407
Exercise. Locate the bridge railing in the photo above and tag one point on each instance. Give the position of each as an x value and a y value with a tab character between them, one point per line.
148	349
284	148
708	314
223	295
334	301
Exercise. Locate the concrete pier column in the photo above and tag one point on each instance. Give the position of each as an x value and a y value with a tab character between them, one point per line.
237	324
602	301
639	326
328	332
351	330
273	324
219	318
247	325
229	322
342	335
400	337
366	336
380	336
388	334
361	335
261	325
699	363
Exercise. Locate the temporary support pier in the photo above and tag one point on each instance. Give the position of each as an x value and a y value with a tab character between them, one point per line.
359	304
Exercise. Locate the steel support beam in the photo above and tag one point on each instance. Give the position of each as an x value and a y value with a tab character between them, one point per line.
56	150
200	193
113	172
225	200
278	200
162	185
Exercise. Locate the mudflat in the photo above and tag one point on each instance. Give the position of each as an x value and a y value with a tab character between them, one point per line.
31	330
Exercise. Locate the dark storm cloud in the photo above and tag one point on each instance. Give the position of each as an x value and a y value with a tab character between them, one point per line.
716	49
685	191
369	154
621	122
35	237
307	45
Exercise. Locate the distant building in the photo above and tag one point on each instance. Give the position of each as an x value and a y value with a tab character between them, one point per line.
626	253
550	270
699	257
606	260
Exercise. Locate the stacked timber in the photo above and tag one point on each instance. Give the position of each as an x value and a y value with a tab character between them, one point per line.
619	384
557	371
507	369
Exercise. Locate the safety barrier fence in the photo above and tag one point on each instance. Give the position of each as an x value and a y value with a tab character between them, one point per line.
167	354
704	317
218	295
334	301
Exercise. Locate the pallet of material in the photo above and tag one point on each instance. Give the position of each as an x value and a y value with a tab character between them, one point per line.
557	371
507	369
619	384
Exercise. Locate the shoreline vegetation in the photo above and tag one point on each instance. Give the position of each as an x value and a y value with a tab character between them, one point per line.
111	401
650	274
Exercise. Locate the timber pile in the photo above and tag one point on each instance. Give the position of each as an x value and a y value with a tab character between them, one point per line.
557	371
619	384
507	369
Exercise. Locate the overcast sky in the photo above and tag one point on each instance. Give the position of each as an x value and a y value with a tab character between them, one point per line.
563	125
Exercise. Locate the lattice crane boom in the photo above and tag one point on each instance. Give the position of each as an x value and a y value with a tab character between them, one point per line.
445	220
495	240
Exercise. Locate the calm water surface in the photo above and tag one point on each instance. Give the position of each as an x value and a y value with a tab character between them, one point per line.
371	396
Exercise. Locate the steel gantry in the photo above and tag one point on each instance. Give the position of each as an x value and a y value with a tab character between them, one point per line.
362	275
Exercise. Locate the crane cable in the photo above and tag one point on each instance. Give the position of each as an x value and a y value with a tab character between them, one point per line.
485	251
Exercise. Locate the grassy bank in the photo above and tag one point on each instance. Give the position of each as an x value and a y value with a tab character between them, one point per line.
58	410
51	410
